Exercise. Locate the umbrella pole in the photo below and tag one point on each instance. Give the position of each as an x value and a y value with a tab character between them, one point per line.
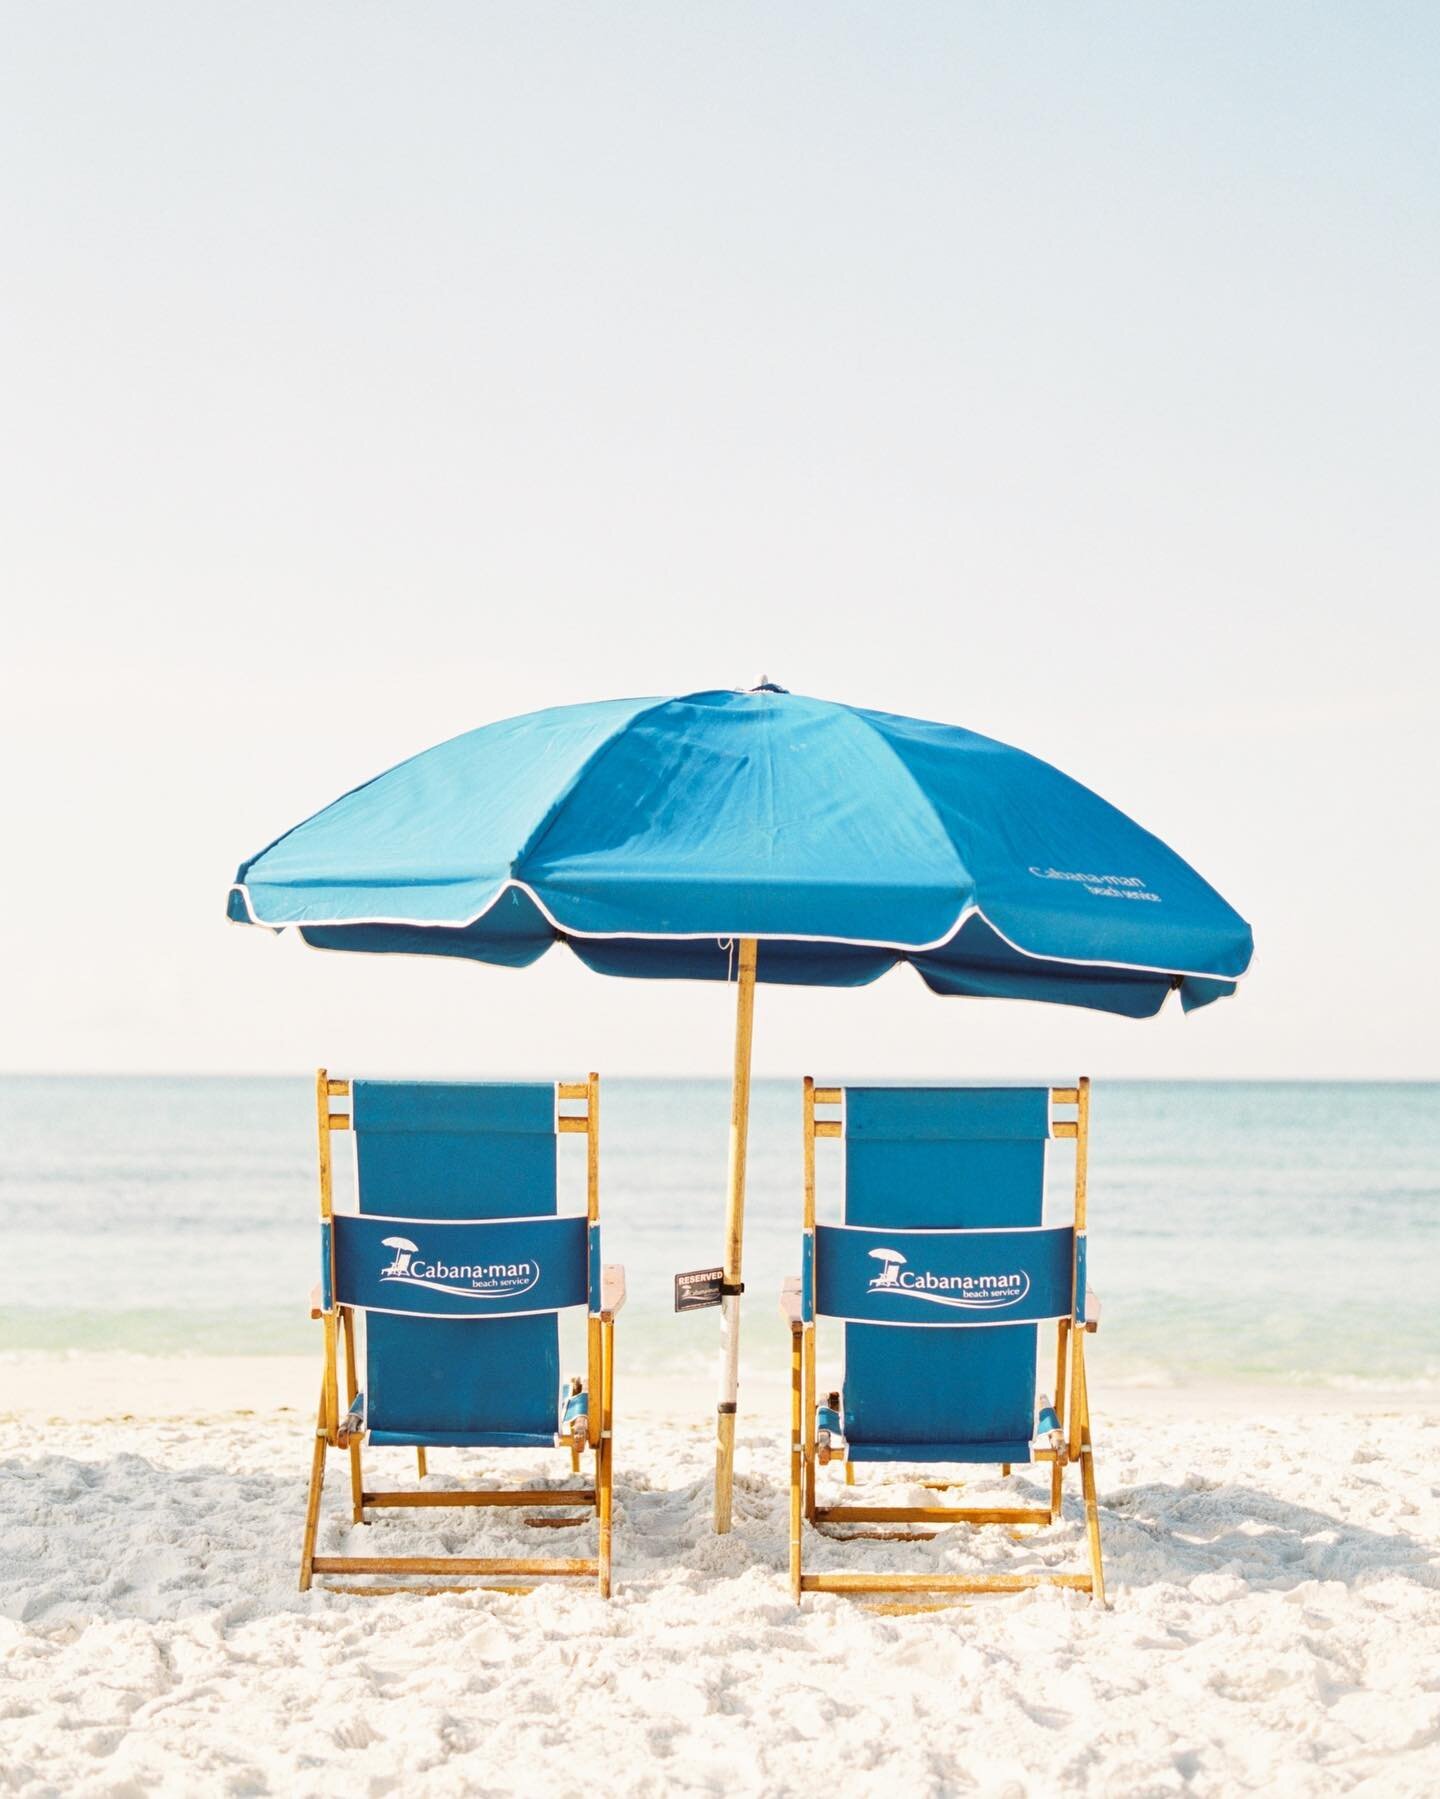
734	1238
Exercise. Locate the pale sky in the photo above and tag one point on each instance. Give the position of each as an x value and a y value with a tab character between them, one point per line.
371	372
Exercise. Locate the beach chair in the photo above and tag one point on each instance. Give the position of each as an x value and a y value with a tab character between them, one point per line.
943	1272
457	1258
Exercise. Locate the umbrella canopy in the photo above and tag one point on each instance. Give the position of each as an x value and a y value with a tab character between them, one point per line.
653	834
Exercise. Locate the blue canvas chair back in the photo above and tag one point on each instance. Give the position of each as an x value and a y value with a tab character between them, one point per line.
438	1151
957	1159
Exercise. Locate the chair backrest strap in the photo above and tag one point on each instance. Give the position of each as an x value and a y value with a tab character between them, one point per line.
944	1279
461	1268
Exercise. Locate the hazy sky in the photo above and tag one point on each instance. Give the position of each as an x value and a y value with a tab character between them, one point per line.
370	372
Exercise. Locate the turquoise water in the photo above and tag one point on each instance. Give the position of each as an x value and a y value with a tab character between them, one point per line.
1277	1231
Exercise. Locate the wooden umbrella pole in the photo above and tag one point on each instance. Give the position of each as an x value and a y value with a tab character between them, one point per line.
734	1241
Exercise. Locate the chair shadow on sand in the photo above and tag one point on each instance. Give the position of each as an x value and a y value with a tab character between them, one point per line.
1164	1531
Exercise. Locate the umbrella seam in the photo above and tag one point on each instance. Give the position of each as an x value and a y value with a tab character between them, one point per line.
552	812
962	861
395	768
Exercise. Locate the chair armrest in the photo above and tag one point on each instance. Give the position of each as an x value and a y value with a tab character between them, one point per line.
316	1309
612	1287
791	1301
1092	1309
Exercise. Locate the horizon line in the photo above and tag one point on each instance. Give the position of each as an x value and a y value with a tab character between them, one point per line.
913	1078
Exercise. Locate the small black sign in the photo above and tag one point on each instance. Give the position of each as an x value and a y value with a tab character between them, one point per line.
699	1289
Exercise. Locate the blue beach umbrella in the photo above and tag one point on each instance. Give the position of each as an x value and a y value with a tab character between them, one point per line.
758	836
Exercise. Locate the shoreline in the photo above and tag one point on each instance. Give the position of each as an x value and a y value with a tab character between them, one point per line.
94	1386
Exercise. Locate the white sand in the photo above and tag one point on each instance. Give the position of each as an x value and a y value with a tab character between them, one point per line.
1275	1622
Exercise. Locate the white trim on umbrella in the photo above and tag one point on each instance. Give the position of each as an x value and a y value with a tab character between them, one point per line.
966	913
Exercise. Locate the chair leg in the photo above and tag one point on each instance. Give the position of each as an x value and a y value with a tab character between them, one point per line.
1057	1489
1087	1481
604	1500
1092	1521
312	1508
604	1455
807	1417
797	1461
357	1484
849	1472
420	1464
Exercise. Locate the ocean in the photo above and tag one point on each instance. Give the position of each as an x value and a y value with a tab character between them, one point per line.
1239	1232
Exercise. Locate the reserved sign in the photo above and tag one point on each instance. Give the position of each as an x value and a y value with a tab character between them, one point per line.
698	1289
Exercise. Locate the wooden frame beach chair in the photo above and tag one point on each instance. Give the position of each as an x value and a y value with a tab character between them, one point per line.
943	1272
459	1261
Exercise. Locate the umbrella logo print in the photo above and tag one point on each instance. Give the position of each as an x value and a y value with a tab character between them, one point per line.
404	1249
888	1278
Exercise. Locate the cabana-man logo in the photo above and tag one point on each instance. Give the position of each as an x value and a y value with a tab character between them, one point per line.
485	1280
966	1292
